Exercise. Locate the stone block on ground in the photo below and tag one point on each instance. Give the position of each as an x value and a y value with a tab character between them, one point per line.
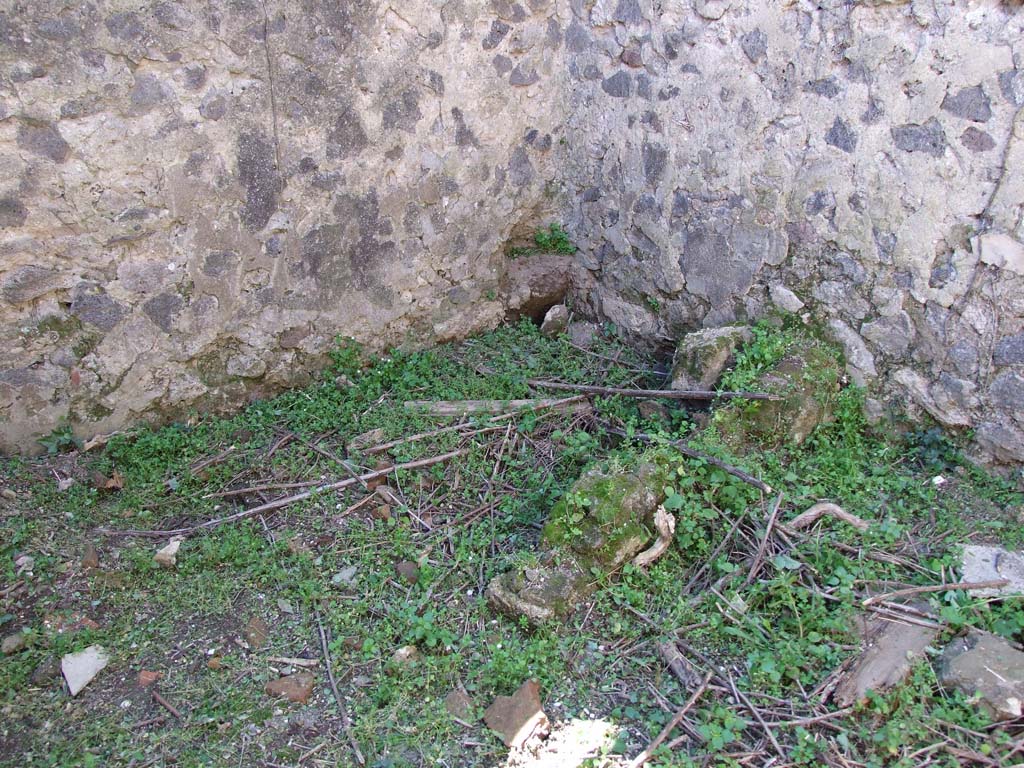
167	557
583	334
702	356
80	668
297	687
988	667
541	593
256	633
890	651
985	563
805	381
555	322
459	704
518	718
604	521
14	643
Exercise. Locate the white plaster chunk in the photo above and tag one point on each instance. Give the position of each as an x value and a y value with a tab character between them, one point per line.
80	668
1001	250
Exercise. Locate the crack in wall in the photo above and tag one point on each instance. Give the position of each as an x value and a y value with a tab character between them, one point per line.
270	80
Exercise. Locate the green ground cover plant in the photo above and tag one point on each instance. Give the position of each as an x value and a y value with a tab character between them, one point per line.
331	562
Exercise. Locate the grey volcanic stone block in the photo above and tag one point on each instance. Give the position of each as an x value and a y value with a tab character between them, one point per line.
619	85
988	667
969	103
928	137
1009	351
842	136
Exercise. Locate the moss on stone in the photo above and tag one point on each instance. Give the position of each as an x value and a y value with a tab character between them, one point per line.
605	518
90	411
64	327
600	524
211	369
85	344
806	381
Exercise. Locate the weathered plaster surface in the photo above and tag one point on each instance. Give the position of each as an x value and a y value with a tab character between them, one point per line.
197	196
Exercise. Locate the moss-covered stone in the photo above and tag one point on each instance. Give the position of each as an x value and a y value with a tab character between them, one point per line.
806	382
600	524
542	592
606	517
702	356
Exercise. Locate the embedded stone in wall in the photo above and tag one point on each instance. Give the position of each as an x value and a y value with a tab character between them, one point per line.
929	137
969	103
860	363
871	167
1001	250
1009	350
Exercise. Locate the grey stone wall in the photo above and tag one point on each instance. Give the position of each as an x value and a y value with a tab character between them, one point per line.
197	196
860	161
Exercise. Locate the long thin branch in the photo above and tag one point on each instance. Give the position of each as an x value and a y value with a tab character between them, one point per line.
962	586
757	716
464	407
644	756
550	405
462	425
762	548
686	450
668	394
285	501
337	696
333	457
258	488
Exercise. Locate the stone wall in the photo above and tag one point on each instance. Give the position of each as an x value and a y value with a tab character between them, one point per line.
862	161
197	196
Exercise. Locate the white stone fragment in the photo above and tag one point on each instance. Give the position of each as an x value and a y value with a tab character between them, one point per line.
785	299
80	668
1001	250
168	556
984	563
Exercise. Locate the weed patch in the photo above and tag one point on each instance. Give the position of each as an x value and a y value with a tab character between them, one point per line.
777	632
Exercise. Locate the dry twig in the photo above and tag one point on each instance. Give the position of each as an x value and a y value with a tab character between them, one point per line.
805	519
773	513
666	525
345	724
166	705
283	502
333	457
962	586
644	756
689	452
668	394
463	407
678	665
741	697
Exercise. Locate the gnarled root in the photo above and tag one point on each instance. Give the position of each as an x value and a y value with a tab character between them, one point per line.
666	525
825	508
